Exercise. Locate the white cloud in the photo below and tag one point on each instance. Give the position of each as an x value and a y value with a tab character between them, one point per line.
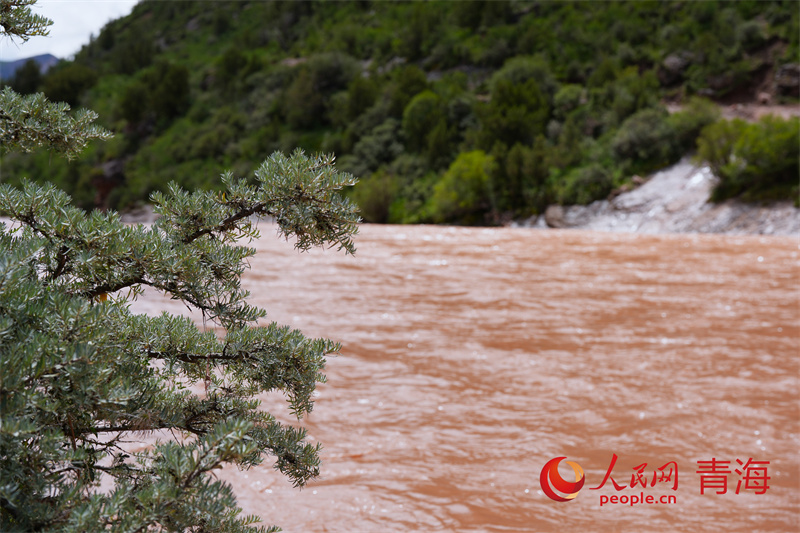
73	22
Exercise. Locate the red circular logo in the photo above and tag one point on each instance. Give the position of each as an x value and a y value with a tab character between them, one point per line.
552	481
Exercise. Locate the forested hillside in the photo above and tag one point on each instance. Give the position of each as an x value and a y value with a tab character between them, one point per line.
467	112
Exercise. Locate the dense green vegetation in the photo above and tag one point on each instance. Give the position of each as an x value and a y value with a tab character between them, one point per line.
469	112
753	161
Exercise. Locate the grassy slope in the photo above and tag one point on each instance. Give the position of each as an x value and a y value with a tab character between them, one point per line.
578	116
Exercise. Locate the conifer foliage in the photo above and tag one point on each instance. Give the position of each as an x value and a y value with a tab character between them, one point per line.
80	373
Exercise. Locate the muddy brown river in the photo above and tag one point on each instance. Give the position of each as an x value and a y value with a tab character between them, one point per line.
474	356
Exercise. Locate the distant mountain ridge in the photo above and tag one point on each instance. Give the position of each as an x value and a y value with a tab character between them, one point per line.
9	68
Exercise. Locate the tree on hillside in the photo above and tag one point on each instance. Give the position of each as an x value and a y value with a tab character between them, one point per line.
27	78
80	373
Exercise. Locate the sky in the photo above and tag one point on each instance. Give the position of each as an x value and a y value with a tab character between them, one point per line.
73	22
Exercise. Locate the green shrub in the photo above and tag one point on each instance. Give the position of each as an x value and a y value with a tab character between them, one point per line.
162	90
419	32
518	112
759	161
688	123
605	73
518	179
361	94
527	168
434	120
132	55
752	34
171	92
320	77
67	84
331	72
634	91
566	100
407	82
462	194
479	13
336	110
440	146
228	67
421	116
374	196
584	185
380	146
646	138
134	101
521	69
567	151
498	50
303	103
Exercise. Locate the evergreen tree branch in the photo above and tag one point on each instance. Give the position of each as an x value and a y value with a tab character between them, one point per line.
78	374
18	21
28	122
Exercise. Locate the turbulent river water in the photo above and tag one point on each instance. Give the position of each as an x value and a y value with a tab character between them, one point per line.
471	357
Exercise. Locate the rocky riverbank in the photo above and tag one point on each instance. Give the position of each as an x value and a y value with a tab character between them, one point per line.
674	200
